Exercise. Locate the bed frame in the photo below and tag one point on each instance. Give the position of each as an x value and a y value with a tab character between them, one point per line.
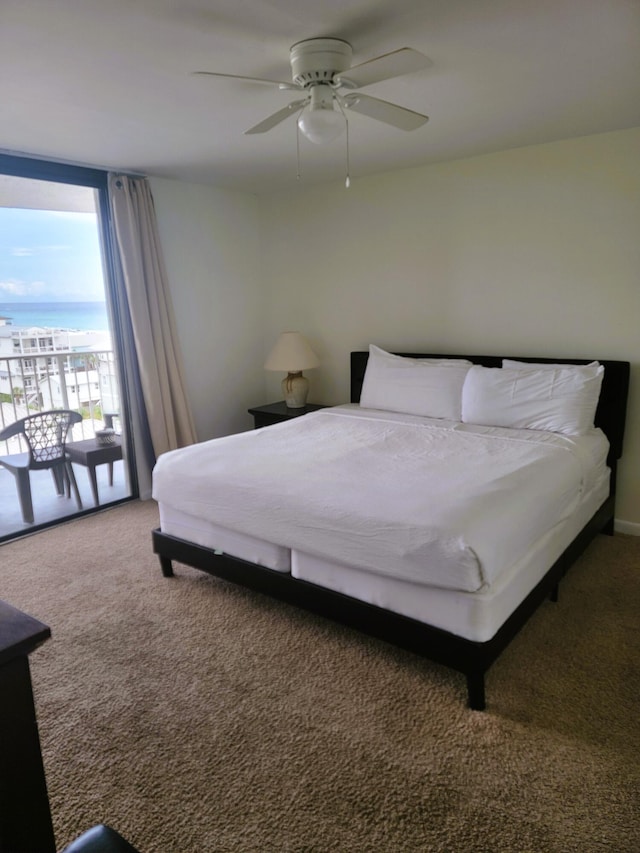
471	658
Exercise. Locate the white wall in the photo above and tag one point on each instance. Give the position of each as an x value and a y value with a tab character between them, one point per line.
211	246
534	251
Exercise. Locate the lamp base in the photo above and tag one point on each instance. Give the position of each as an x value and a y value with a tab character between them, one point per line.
295	388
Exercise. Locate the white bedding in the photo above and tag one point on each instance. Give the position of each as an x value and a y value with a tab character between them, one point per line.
436	502
473	615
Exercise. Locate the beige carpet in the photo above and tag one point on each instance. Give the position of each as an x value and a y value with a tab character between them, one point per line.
197	717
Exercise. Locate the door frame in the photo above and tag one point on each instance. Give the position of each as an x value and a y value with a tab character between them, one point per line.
66	173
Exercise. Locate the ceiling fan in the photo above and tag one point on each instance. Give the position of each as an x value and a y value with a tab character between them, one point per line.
320	67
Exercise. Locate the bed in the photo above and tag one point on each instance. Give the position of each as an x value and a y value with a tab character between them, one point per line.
436	511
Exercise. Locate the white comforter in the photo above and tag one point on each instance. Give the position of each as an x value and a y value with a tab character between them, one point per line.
436	502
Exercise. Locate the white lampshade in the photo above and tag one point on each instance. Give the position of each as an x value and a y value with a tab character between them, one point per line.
292	354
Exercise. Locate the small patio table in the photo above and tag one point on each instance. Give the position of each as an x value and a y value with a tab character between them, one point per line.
90	454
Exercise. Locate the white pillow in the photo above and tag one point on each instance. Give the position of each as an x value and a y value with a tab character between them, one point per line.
590	369
557	399
416	386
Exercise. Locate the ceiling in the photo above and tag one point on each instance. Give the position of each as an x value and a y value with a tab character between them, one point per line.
107	83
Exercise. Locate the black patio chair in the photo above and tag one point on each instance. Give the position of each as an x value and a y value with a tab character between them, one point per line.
45	435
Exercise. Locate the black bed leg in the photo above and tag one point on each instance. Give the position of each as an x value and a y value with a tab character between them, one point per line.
166	566
475	690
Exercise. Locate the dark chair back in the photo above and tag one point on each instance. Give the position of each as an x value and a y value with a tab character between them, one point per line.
46	434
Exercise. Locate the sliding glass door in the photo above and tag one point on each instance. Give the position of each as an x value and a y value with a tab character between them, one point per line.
59	347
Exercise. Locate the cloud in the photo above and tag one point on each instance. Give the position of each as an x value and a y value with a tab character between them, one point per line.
74	215
28	251
15	287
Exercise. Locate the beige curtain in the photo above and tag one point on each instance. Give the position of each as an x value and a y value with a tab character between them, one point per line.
148	306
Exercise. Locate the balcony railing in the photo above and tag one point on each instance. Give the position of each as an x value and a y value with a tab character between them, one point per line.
85	382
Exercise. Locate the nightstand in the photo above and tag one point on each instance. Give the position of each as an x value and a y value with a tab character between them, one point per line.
275	413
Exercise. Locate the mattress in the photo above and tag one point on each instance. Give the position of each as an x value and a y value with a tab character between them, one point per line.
249	504
475	616
204	532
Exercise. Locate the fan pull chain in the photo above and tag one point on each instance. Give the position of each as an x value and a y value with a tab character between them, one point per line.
347	182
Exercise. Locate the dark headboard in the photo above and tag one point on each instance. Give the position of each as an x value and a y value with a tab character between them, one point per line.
612	407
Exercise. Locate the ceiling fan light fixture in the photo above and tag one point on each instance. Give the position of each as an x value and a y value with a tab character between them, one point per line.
321	125
319	121
320	67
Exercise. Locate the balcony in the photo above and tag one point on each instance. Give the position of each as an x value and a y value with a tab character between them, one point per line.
84	382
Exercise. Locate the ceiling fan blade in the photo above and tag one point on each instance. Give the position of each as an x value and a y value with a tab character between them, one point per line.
399	117
402	61
276	118
279	83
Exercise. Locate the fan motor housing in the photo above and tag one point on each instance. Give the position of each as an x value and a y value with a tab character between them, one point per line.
319	60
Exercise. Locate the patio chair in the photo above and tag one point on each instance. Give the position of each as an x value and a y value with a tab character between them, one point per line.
45	435
100	839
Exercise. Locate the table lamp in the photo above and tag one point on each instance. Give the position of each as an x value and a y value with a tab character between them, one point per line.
293	354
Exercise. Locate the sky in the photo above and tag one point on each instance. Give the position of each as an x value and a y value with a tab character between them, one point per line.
49	256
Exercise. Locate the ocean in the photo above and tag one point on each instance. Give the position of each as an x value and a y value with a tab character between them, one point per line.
85	316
